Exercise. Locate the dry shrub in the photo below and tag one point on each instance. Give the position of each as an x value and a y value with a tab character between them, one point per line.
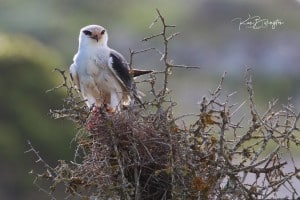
142	152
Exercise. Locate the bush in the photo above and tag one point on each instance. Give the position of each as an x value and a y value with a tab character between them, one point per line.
142	152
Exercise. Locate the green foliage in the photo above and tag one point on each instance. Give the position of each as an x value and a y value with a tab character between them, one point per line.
26	69
25	74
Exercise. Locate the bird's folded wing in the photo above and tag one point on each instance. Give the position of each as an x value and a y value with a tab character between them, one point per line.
119	68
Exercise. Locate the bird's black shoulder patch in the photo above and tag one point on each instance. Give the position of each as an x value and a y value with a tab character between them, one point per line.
121	69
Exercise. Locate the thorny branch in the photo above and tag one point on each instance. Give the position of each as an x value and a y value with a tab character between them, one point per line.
165	55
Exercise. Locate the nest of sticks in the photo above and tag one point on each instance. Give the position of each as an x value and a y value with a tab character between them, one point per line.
126	155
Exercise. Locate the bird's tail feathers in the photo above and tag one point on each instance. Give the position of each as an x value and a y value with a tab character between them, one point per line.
136	95
139	72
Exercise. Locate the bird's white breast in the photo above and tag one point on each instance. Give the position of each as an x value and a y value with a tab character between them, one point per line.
96	80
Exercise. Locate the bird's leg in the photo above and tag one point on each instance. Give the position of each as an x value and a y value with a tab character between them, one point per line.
92	123
93	108
115	101
109	109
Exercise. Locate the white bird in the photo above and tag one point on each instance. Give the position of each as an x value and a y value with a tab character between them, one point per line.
99	72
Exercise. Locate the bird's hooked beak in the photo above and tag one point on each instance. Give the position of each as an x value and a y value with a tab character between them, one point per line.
95	37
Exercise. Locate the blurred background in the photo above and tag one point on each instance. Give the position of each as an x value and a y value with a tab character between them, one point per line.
37	36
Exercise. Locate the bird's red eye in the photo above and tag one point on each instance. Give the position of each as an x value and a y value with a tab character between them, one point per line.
102	32
86	32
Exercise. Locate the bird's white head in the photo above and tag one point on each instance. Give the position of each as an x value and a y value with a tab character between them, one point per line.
93	35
